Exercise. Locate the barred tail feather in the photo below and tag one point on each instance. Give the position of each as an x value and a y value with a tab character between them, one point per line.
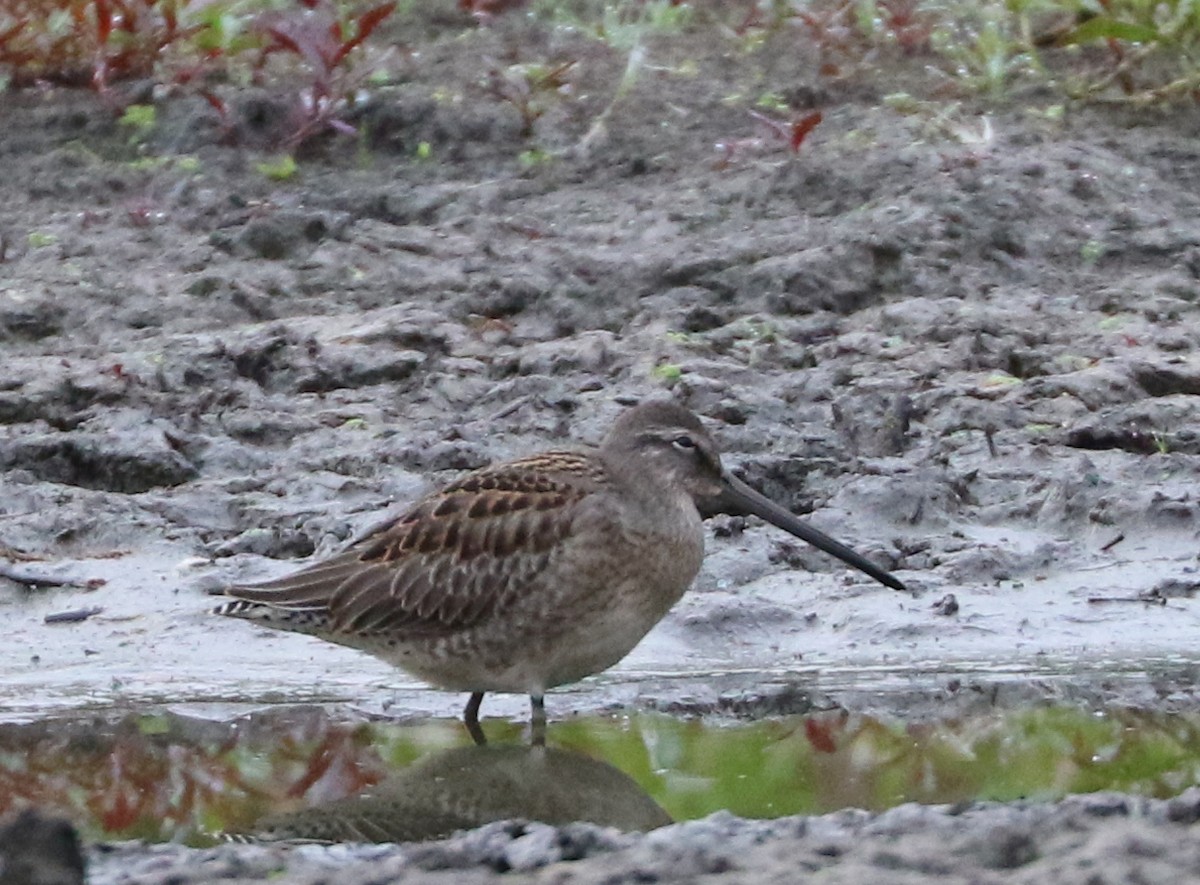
295	620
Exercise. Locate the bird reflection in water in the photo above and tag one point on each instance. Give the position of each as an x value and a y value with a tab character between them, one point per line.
467	787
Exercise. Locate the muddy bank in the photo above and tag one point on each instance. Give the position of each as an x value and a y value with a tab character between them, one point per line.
1089	839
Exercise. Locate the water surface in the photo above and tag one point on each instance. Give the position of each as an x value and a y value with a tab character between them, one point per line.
304	771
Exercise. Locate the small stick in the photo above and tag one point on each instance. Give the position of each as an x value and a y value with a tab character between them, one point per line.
73	616
1113	543
1153	599
989	434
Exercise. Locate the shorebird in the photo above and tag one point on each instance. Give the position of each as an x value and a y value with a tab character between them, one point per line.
532	573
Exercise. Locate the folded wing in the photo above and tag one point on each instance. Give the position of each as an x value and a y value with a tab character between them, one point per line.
453	560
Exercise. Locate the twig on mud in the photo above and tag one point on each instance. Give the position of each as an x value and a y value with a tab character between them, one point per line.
989	434
1122	70
598	131
12	554
518	403
73	616
1152	597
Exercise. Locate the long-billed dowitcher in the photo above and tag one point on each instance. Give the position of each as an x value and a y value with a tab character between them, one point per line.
532	573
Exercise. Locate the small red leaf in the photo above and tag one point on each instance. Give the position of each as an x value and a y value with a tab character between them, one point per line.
367	22
285	40
103	20
371	19
820	734
218	103
801	128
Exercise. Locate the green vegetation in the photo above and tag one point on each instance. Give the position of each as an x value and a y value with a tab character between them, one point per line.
667	373
40	240
280	169
183	44
140	119
318	54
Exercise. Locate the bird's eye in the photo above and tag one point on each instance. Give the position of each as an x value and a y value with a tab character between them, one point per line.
684	443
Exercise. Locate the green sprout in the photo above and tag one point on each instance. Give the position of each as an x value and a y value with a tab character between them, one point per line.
280	169
1091	252
667	373
140	118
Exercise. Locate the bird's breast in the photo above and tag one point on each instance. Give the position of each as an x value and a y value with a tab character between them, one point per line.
654	553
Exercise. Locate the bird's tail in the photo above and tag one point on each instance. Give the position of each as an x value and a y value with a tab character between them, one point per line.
296	620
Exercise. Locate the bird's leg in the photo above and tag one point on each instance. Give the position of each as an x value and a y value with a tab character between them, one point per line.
471	718
537	724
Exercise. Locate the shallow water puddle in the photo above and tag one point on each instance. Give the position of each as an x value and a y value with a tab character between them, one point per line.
300	772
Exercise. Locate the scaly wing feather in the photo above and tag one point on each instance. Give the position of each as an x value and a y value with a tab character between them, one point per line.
451	561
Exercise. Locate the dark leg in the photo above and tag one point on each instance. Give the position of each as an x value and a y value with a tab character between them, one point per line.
538	722
471	718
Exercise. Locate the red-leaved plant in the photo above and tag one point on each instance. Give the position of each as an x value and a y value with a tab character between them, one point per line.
86	42
322	42
98	42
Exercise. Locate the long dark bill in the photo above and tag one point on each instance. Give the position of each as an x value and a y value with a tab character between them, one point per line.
739	498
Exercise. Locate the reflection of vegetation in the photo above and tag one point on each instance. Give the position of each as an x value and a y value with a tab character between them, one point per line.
822	763
168	777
